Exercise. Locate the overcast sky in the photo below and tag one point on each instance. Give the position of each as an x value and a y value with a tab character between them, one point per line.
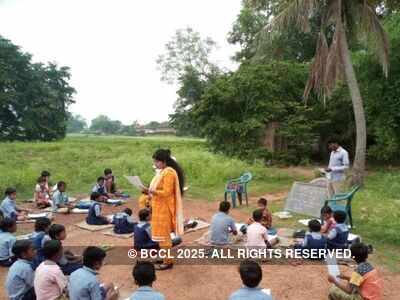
111	47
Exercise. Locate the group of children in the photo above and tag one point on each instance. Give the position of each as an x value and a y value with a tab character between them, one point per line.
49	282
257	229
333	233
41	269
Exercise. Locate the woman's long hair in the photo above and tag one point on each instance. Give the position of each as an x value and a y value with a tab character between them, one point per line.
164	155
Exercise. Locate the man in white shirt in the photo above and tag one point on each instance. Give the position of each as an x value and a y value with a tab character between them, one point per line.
336	170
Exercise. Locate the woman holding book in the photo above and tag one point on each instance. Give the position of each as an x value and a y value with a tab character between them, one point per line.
165	192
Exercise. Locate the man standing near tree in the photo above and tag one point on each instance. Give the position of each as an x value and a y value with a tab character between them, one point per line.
336	171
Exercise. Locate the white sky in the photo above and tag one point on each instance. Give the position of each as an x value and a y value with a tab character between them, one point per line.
111	47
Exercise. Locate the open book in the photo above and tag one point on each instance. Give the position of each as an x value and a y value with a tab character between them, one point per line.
135	181
333	268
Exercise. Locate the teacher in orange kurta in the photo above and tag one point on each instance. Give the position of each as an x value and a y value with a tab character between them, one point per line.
166	191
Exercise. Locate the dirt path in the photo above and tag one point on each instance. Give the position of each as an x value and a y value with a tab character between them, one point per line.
183	282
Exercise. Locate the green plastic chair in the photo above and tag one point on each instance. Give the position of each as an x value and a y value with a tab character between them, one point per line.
238	187
342	201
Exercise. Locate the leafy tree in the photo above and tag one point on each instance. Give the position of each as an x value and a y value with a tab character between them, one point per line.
152	125
382	98
346	20
34	97
103	124
291	44
186	50
187	62
76	124
236	108
129	130
191	89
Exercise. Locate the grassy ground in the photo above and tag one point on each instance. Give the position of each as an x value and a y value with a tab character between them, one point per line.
80	160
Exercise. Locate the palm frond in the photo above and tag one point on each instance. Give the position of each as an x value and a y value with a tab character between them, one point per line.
317	73
334	67
297	12
374	35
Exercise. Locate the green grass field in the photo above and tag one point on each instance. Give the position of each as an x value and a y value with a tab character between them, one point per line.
80	160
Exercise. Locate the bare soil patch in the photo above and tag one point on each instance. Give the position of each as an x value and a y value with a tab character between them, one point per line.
302	282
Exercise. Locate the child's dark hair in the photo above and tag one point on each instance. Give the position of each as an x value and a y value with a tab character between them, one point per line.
257	215
41	179
144	213
339	216
359	252
95	195
100	178
60	184
262	201
55	230
9	191
45	174
326	209
224	206
20	247
107	171
51	248
250	273
128	211
41	224
92	255
7	224
164	155
144	273
314	225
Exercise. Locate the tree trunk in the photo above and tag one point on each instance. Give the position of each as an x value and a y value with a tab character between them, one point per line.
359	114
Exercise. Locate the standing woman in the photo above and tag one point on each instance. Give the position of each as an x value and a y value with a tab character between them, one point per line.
166	192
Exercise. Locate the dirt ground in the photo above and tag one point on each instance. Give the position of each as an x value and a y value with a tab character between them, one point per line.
183	282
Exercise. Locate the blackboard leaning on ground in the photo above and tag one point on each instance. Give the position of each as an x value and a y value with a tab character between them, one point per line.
306	199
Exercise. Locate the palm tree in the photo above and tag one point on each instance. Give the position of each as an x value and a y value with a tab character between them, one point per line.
342	20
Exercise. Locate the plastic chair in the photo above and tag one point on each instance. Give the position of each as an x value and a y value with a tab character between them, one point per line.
238	186
342	201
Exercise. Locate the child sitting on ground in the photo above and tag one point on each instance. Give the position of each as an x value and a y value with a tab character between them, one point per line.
7	241
251	275
19	281
313	239
364	282
9	207
338	236
38	238
266	220
222	225
94	216
60	198
111	186
257	234
142	233
46	175
123	222
50	282
42	193
68	262
144	275
83	283
100	188
328	221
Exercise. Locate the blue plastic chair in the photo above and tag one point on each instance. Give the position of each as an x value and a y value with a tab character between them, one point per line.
238	187
342	202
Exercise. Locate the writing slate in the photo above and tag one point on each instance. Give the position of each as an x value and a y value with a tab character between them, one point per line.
306	199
